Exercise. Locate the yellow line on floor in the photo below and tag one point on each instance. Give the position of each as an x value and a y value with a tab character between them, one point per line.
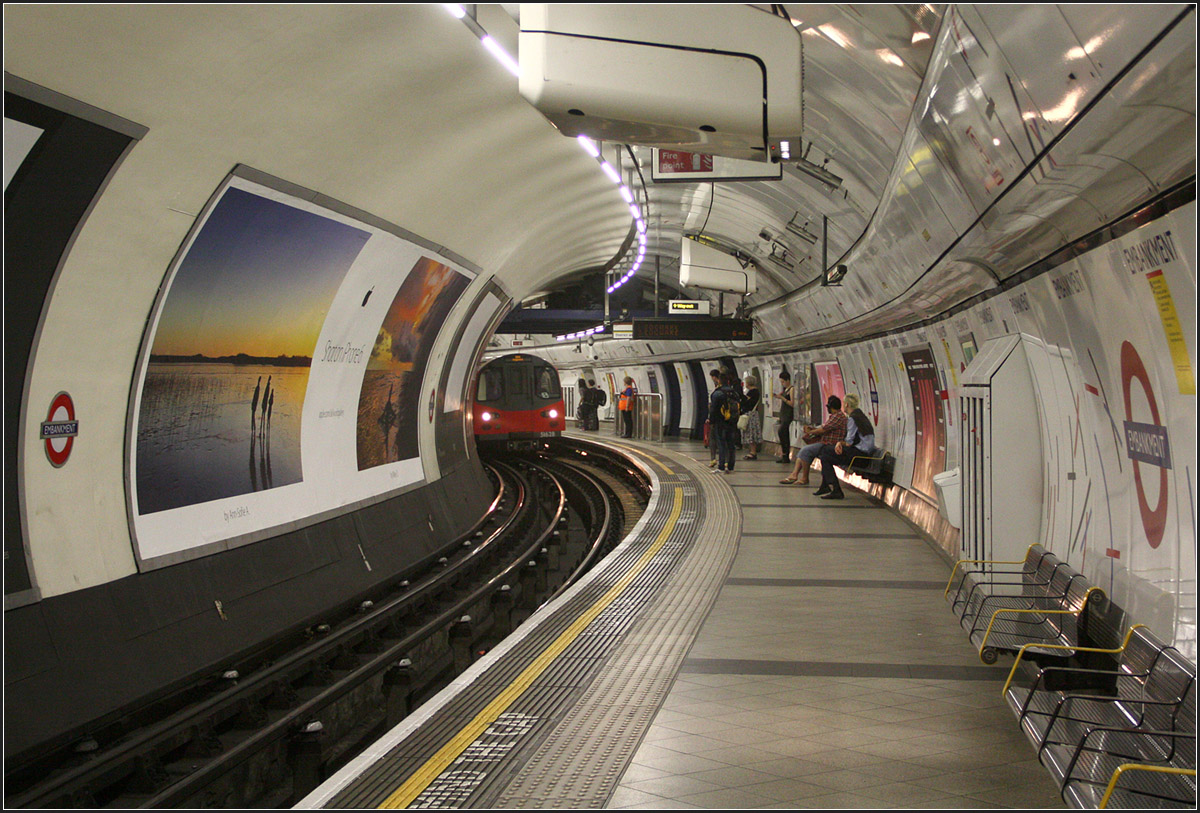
403	796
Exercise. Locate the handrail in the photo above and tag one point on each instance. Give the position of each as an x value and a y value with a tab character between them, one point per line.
1133	766
983	562
1021	653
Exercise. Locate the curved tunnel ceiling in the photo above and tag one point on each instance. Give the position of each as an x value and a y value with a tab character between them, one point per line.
398	111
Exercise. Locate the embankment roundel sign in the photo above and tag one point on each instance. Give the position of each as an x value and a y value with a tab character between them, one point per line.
59	429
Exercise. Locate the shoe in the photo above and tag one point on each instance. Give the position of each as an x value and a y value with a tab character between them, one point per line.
750	457
822	491
834	495
712	464
782	460
803	482
788	480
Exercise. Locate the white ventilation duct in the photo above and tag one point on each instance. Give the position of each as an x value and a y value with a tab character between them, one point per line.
716	79
702	266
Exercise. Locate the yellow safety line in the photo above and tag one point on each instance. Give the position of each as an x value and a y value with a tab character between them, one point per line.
1112	784
413	787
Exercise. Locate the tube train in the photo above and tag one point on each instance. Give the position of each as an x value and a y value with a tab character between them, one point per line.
518	401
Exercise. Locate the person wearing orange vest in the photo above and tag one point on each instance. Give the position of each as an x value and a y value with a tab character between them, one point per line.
625	407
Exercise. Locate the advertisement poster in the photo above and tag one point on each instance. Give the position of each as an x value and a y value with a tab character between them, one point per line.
828	376
286	358
930	453
224	390
387	403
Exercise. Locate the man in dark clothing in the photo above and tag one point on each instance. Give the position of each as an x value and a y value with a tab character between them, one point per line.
723	410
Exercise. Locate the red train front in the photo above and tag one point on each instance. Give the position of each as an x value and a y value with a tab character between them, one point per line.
518	401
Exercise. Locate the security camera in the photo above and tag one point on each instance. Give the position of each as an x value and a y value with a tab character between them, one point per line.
591	340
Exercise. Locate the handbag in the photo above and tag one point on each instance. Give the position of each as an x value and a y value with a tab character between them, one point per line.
744	422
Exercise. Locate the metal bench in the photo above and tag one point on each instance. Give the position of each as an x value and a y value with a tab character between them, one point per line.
1052	613
973	579
876	468
1128	740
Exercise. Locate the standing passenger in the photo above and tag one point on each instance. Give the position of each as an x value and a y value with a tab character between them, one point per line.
786	398
710	434
752	434
723	411
625	405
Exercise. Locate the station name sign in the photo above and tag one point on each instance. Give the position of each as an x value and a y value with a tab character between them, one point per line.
703	329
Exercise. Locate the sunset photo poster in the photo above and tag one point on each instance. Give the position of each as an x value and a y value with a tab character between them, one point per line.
228	368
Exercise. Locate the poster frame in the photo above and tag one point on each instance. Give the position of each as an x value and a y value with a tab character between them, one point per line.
147	563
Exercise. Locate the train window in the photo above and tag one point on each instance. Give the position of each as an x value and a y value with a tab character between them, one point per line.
491	384
547	383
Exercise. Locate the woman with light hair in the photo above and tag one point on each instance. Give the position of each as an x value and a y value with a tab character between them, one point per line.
752	429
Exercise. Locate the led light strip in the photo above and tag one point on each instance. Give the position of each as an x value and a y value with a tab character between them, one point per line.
582	334
590	146
593	149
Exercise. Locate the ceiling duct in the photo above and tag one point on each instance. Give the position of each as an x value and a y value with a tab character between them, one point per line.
715	79
702	266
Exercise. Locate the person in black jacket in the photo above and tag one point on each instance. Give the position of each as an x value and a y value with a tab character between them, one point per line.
723	410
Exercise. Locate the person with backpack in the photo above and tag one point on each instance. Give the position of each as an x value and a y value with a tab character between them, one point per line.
724	408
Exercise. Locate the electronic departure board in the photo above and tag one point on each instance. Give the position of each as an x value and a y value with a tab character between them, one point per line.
676	328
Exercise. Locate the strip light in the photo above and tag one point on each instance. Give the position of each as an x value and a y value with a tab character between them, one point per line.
582	334
591	147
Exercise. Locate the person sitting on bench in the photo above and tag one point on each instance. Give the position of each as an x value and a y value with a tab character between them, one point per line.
859	441
833	430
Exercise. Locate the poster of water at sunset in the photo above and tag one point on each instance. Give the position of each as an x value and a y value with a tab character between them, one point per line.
223	393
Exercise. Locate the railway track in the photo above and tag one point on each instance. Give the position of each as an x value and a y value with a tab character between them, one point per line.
265	730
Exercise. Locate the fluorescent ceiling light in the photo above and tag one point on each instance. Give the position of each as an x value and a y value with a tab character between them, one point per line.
458	11
610	172
498	52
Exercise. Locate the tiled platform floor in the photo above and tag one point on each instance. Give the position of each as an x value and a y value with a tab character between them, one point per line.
830	674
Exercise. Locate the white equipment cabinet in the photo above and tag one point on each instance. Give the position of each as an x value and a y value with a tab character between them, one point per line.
1001	499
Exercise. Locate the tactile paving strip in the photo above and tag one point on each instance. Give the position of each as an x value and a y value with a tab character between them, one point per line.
564	737
580	762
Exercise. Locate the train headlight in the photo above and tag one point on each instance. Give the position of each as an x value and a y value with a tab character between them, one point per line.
487	416
554	413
